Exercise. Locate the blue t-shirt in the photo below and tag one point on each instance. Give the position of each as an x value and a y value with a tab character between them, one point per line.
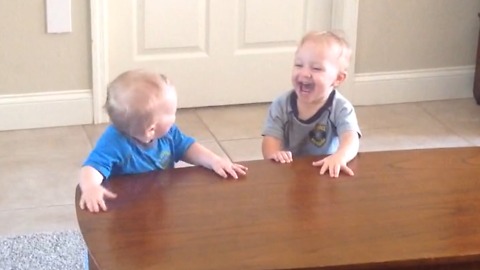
117	154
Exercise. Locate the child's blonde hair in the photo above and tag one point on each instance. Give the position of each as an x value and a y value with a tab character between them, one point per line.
133	98
331	38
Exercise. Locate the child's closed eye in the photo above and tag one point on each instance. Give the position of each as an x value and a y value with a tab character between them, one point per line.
298	65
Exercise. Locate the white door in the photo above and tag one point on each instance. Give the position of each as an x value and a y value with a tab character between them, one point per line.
216	52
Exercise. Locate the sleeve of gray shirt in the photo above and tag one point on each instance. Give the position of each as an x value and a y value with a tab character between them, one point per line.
345	118
276	118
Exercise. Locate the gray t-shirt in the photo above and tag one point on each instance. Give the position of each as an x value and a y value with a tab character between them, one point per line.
318	135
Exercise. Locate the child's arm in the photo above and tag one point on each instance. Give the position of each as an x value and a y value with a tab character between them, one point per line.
199	155
93	193
347	150
349	145
272	149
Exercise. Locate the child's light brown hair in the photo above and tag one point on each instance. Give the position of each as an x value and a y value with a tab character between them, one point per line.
133	98
332	38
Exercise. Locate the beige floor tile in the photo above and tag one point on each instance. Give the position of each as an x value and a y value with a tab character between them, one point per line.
235	122
34	220
182	164
190	124
413	137
212	145
468	130
41	167
243	150
462	116
93	132
453	112
392	116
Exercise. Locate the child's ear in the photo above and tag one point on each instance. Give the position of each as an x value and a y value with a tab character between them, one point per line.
342	75
150	131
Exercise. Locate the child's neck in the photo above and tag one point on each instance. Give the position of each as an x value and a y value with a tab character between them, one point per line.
307	110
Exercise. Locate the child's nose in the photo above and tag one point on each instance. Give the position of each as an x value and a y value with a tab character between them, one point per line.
305	73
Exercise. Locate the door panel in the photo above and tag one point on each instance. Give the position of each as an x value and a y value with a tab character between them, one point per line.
156	31
216	52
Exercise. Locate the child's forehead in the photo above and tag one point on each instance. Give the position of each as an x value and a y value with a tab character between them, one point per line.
321	44
317	49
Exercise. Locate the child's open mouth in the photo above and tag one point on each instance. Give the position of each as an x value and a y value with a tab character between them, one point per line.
305	88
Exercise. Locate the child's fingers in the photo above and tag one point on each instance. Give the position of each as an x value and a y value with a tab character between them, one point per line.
334	170
221	172
347	170
280	156
232	172
240	169
82	203
318	162
283	156
274	157
323	169
240	166
289	156
110	194
95	207
103	205
89	206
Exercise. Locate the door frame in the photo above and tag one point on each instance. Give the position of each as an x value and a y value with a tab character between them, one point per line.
344	16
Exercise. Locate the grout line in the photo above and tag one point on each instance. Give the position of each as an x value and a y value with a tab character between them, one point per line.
86	136
213	135
442	123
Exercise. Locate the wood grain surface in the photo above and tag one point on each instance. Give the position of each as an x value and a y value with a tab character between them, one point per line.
413	209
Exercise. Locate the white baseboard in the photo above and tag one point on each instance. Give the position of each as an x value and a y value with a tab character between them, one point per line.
46	109
413	85
74	107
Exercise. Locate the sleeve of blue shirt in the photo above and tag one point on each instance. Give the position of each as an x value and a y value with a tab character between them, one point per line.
106	153
181	142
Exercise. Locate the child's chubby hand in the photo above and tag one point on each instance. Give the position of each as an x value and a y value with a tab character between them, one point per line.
282	156
93	198
224	168
334	164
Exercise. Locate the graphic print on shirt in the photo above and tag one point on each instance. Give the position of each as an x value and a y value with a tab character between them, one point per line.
165	159
318	135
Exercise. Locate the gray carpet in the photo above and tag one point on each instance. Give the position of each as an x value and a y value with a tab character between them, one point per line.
59	250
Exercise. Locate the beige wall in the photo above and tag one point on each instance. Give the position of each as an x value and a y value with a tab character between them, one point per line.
416	34
392	35
32	60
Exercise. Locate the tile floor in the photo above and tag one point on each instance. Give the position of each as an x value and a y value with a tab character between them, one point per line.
38	167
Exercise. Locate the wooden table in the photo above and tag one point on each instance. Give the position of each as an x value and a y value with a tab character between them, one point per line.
416	209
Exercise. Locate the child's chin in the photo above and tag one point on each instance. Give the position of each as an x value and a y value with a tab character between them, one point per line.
303	94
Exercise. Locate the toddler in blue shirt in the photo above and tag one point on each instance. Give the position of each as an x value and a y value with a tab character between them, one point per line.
142	137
